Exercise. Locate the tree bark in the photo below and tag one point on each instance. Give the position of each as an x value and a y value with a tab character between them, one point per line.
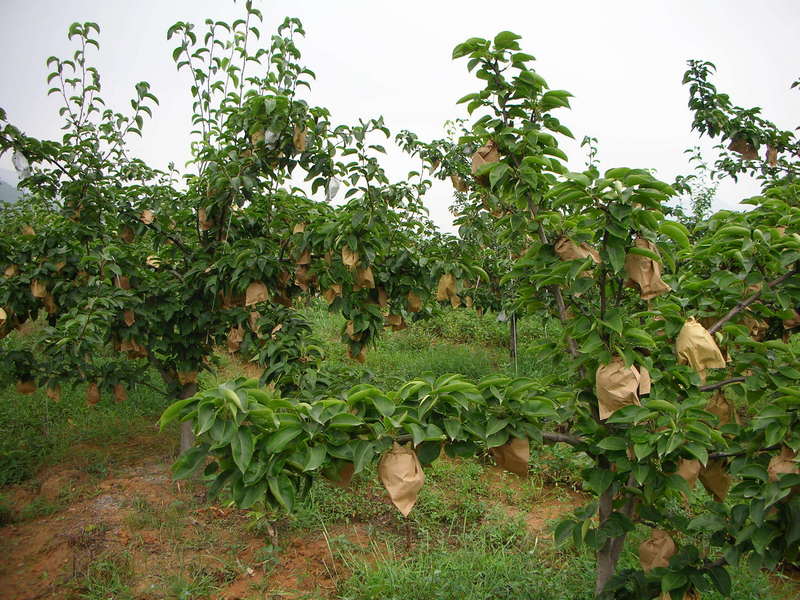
608	555
605	560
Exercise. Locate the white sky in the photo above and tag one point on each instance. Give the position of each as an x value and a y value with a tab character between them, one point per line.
623	61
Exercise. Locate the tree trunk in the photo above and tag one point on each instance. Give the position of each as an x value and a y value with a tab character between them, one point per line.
187	437
605	562
608	555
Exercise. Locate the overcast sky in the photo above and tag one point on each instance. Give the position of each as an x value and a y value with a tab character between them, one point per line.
623	61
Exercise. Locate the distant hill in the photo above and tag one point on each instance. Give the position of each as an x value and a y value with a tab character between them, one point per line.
9	194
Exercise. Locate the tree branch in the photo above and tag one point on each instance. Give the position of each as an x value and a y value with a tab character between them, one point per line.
741	452
748	301
715	386
553	436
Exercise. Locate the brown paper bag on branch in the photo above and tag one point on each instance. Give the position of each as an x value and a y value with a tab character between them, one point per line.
618	386
396	322
333	292
645	383
147	217
187	377
360	357
513	456
11	271
129	317
120	393
383	298
126	234
256	292
299	138
38	289
485	155
689	469
365	279
203	221
723	408
50	304
644	273
401	474
656	550
413	302
458	183
3	317
350	331
697	348
26	386
133	349
743	148
349	258
446	290
793	322
53	392
92	394
772	155
783	464
715	479
566	249
235	338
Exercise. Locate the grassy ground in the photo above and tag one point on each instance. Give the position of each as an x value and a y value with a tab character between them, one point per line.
90	511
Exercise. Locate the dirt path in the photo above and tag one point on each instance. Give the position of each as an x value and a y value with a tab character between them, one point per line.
79	527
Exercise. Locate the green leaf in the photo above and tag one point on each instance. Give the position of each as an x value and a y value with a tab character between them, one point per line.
173	411
251	495
698	452
345	421
613	443
363	452
563	531
385	406
242	446
206	414
276	442
315	457
417	433
616	253
453	427
506	40
721	580
189	461
494	425
598	480
676	232
282	490
497	174
646	253
427	452
673	581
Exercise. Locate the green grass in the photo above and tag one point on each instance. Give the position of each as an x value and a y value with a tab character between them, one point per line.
107	577
498	561
35	430
452	341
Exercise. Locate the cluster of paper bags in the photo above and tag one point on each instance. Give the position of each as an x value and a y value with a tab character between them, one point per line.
618	386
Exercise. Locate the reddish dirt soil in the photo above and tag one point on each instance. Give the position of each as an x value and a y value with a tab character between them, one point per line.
127	513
